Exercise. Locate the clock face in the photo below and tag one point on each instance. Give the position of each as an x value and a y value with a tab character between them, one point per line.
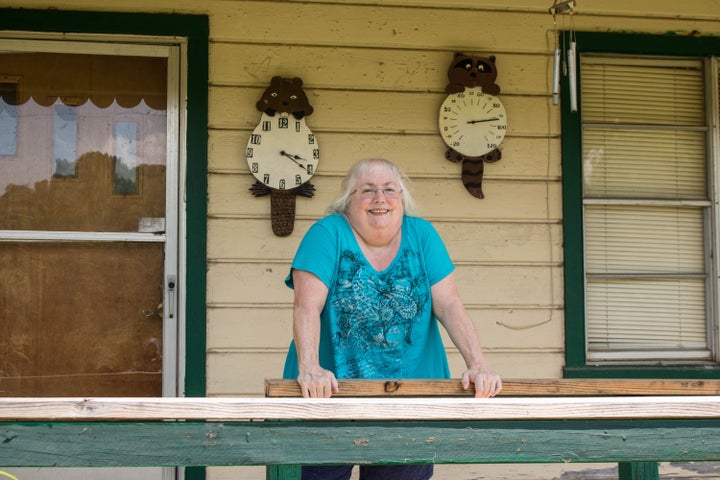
282	152
472	122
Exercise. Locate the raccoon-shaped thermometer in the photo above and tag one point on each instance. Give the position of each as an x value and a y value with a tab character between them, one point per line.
472	119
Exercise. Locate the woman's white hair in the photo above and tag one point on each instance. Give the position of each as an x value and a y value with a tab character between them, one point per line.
350	184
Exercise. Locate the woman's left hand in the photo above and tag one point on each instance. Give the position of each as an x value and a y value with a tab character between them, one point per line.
487	383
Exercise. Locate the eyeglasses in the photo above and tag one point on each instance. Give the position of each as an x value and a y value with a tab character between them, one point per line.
367	193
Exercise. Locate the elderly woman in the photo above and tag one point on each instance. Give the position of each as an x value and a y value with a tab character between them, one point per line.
370	283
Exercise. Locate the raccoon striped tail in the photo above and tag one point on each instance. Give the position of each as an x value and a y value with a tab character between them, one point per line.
472	175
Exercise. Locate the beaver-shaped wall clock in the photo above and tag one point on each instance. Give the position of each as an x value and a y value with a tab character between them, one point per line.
472	118
282	153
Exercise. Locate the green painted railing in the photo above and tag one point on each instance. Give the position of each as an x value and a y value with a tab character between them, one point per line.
283	433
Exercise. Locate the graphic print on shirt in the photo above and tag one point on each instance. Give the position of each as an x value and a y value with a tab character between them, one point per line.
376	315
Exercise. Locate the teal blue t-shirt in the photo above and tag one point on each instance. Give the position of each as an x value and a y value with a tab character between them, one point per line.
375	324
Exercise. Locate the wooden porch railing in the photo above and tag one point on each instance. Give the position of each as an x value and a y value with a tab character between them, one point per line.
541	422
562	387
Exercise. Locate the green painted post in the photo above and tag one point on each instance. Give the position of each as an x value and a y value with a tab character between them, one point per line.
282	472
639	471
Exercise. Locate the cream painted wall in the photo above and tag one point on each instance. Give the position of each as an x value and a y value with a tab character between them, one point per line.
375	72
376	76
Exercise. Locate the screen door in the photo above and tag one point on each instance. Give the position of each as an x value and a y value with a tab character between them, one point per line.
89	162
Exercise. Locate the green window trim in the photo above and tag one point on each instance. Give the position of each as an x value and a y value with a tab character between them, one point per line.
195	29
575	355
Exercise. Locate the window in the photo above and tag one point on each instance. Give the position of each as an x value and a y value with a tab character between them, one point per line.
9	86
640	221
65	140
125	177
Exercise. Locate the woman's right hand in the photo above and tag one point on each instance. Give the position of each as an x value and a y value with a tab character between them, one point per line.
317	383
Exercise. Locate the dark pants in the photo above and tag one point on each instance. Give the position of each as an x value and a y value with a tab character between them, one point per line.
369	472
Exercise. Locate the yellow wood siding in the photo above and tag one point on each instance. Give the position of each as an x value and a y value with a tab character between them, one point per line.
375	74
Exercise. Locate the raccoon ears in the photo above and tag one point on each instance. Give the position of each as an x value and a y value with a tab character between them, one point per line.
461	54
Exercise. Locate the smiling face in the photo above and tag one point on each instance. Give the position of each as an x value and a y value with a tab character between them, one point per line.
375	217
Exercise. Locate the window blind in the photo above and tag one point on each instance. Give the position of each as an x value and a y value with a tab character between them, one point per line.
627	90
667	164
645	191
627	240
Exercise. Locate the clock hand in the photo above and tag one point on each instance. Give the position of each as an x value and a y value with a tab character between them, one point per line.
294	158
484	120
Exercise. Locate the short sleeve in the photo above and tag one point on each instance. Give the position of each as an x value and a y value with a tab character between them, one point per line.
317	253
438	263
